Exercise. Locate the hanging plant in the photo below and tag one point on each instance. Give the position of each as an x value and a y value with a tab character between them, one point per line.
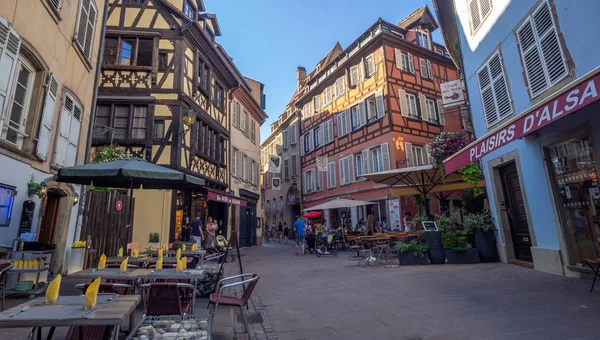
447	144
109	153
418	200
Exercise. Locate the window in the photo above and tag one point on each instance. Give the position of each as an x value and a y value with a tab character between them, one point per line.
423	39
404	61
432	114
7	199
188	9
379	157
17	108
376	162
159	129
478	11
371	108
354	76
163	62
319	175
309	181
128	51
327	129
408	104
205	83
293	134
236	112
306	111
340	87
308	142
355	117
374	107
327	96
294	164
493	90
426	71
234	165
344	122
318	138
219	96
86	24
65	152
126	121
541	50
414	155
286	168
331	175
252	130
209	32
317	103
369	65
54	4
347	170
358	163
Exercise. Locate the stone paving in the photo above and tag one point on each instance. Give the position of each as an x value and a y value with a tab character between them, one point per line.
306	297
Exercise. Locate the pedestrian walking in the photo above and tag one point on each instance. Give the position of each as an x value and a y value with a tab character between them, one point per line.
299	232
280	232
211	229
286	232
197	233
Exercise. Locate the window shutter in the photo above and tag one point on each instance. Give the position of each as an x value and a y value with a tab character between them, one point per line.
409	154
43	142
423	68
379	103
362	113
385	156
440	108
348	121
304	187
55	4
494	92
423	103
411	63
302	145
429	69
322	134
474	13
342	174
85	27
350	161
62	140
240	164
247	127
294	165
428	160
292	134
311	141
10	44
403	104
398	55
234	118
286	142
532	58
366	163
340	124
234	163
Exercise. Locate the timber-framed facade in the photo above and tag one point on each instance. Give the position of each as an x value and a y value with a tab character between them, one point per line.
162	69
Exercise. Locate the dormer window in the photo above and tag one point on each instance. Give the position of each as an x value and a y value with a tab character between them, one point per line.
210	32
189	10
423	39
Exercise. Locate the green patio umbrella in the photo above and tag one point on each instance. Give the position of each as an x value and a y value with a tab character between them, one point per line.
128	173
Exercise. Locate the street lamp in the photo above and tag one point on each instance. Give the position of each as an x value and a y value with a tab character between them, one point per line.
43	189
188	120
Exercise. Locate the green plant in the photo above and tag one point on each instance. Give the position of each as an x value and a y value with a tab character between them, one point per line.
418	200
34	188
154	238
445	223
412	247
455	239
108	153
480	221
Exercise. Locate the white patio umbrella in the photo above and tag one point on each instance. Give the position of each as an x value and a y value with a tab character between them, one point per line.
339	203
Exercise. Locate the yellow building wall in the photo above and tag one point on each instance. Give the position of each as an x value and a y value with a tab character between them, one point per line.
152	215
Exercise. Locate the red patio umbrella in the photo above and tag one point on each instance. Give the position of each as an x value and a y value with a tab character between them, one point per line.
313	214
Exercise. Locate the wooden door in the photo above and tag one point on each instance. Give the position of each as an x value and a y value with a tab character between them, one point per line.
50	218
517	215
245	237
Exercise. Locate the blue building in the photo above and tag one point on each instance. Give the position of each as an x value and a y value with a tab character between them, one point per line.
532	74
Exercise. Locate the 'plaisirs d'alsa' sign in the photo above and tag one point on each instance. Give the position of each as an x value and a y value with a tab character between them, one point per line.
569	101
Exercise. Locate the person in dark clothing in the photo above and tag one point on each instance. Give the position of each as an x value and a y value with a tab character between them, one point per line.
286	232
280	231
197	232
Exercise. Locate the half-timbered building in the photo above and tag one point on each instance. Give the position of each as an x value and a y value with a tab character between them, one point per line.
371	107
164	95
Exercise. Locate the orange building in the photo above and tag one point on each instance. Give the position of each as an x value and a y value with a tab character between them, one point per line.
371	107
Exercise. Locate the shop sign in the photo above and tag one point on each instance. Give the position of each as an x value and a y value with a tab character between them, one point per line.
213	196
552	110
452	93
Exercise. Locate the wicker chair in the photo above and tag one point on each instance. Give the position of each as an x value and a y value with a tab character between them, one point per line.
4	267
169	298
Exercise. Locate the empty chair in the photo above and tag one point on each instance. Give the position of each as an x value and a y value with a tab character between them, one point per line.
4	267
219	298
169	298
108	288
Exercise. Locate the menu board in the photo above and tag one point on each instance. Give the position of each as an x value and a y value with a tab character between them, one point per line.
394	214
26	217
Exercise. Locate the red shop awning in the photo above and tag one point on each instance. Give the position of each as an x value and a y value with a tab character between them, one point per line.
225	198
571	98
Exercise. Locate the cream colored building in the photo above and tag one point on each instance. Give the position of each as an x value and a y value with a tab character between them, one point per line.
48	58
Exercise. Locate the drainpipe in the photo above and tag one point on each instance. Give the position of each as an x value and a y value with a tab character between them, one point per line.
300	145
88	144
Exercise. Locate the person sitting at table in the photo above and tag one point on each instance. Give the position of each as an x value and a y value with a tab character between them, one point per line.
408	222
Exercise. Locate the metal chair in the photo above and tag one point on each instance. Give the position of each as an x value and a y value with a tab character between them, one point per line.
109	288
219	298
169	298
89	332
4	268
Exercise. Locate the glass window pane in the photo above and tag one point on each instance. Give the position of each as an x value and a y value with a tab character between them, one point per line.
110	50
139	122
159	129
121	121
144	56
103	115
126	51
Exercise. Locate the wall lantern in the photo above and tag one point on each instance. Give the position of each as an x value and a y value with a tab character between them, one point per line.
75	198
190	117
42	189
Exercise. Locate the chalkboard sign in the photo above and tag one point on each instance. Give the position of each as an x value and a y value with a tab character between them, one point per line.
26	217
429	226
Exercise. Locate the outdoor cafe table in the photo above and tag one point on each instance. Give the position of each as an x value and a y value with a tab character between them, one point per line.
138	261
154	252
110	311
109	274
171	274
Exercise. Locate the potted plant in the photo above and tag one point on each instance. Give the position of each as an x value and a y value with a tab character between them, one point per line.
436	252
482	224
458	248
154	240
412	253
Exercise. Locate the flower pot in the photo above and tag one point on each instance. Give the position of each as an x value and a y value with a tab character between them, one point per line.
410	259
436	251
486	245
463	257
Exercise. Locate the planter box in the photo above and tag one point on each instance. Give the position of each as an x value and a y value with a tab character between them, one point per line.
436	247
410	259
463	257
486	246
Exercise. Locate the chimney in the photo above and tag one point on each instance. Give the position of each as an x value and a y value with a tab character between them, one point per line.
300	76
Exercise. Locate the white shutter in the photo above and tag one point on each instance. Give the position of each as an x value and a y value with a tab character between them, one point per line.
62	139
340	124
43	142
423	103
385	156
311	141
235	113
302	145
366	163
322	134
342	175
428	159
304	187
330	130
411	63
348	120
409	154
242	120
351	168
423	68
293	135
286	143
234	162
294	165
55	4
398	55
440	108
403	105
379	103
85	26
429	69
240	164
10	44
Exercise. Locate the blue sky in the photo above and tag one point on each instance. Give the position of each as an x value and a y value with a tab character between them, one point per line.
269	39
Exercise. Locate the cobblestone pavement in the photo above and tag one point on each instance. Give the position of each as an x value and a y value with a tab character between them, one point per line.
305	297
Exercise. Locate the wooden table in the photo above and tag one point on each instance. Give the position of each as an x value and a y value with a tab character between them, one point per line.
69	311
